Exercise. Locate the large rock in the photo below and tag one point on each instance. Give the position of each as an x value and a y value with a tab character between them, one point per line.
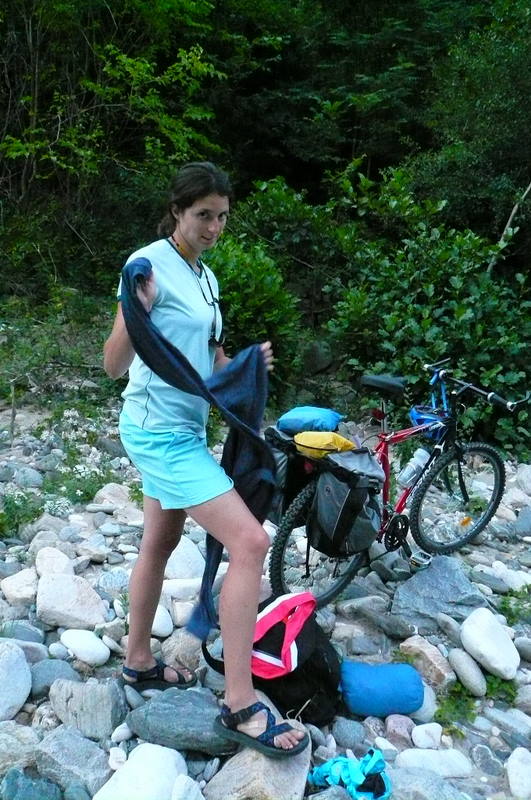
148	774
421	784
65	756
15	679
86	646
440	588
186	561
69	601
52	561
489	643
94	708
20	588
518	767
251	774
446	763
19	786
429	661
182	719
17	745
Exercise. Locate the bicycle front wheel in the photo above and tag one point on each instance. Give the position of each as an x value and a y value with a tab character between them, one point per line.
457	497
294	568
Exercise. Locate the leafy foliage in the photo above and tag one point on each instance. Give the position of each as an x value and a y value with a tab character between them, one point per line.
18	508
255	303
457	705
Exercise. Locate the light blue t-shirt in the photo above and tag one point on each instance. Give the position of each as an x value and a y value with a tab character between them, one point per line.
184	314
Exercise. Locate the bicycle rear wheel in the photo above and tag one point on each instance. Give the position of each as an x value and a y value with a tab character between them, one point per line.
289	568
457	497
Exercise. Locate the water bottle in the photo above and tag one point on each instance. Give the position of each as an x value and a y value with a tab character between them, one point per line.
408	475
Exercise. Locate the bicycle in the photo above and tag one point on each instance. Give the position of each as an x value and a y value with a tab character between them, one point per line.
453	496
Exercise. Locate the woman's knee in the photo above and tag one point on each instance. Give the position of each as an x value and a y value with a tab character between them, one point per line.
252	545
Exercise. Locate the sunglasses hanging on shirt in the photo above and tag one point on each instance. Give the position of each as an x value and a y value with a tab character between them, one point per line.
214	341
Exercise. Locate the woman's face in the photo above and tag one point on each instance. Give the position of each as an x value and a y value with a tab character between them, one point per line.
200	225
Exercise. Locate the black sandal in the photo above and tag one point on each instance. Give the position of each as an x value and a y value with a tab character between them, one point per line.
154	678
225	724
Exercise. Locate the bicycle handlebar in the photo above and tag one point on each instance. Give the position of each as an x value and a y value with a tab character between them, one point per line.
491	397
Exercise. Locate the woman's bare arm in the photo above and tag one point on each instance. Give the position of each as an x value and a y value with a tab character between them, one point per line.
118	352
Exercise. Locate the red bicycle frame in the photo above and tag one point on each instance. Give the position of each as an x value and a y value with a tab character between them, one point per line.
385	440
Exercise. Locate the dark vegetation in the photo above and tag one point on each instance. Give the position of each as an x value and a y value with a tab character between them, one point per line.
380	153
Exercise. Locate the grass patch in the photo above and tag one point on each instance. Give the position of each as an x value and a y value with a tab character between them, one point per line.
516	606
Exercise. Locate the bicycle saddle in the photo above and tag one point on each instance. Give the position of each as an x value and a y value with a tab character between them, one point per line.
384	384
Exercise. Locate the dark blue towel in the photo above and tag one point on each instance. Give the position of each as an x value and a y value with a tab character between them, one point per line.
239	391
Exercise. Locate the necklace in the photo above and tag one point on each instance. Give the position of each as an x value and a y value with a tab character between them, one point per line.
213	302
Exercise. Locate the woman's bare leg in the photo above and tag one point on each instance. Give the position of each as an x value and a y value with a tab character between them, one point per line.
162	532
228	519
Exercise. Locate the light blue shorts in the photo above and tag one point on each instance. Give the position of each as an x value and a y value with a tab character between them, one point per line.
177	468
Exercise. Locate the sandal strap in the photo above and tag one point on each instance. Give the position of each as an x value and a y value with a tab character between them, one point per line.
156	672
231	720
268	736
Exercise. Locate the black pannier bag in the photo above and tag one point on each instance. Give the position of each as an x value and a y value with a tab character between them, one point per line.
291	476
346	511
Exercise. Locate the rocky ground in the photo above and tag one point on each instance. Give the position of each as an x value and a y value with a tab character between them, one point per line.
68	731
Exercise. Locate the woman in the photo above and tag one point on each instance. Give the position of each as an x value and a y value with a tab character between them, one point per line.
163	431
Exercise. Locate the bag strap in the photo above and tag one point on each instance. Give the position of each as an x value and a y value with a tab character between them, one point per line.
352	505
216	663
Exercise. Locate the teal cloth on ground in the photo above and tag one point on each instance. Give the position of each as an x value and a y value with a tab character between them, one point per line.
364	779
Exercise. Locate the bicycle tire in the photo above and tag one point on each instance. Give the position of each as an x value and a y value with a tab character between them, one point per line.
441	520
328	576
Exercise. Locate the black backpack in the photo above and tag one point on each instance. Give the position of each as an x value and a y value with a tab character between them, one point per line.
309	687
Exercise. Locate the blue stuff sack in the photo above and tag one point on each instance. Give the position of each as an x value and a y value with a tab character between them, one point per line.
309	418
377	690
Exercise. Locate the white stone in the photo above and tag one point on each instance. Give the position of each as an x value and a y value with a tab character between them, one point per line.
15	679
58	650
186	561
185	788
148	774
122	733
468	671
181	612
485	640
69	601
179	589
387	748
518	767
505	513
516	498
117	758
427	736
446	763
95	548
428	708
86	646
112	645
51	561
117	495
515	579
162	623
20	588
523	478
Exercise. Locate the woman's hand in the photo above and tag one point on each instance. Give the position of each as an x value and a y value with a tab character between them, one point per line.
267	352
147	291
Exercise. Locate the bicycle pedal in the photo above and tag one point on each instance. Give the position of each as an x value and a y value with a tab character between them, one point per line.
419	560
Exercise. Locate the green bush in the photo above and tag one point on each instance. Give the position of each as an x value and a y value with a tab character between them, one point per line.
428	296
255	303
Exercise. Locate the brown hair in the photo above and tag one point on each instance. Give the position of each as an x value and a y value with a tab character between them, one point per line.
192	182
